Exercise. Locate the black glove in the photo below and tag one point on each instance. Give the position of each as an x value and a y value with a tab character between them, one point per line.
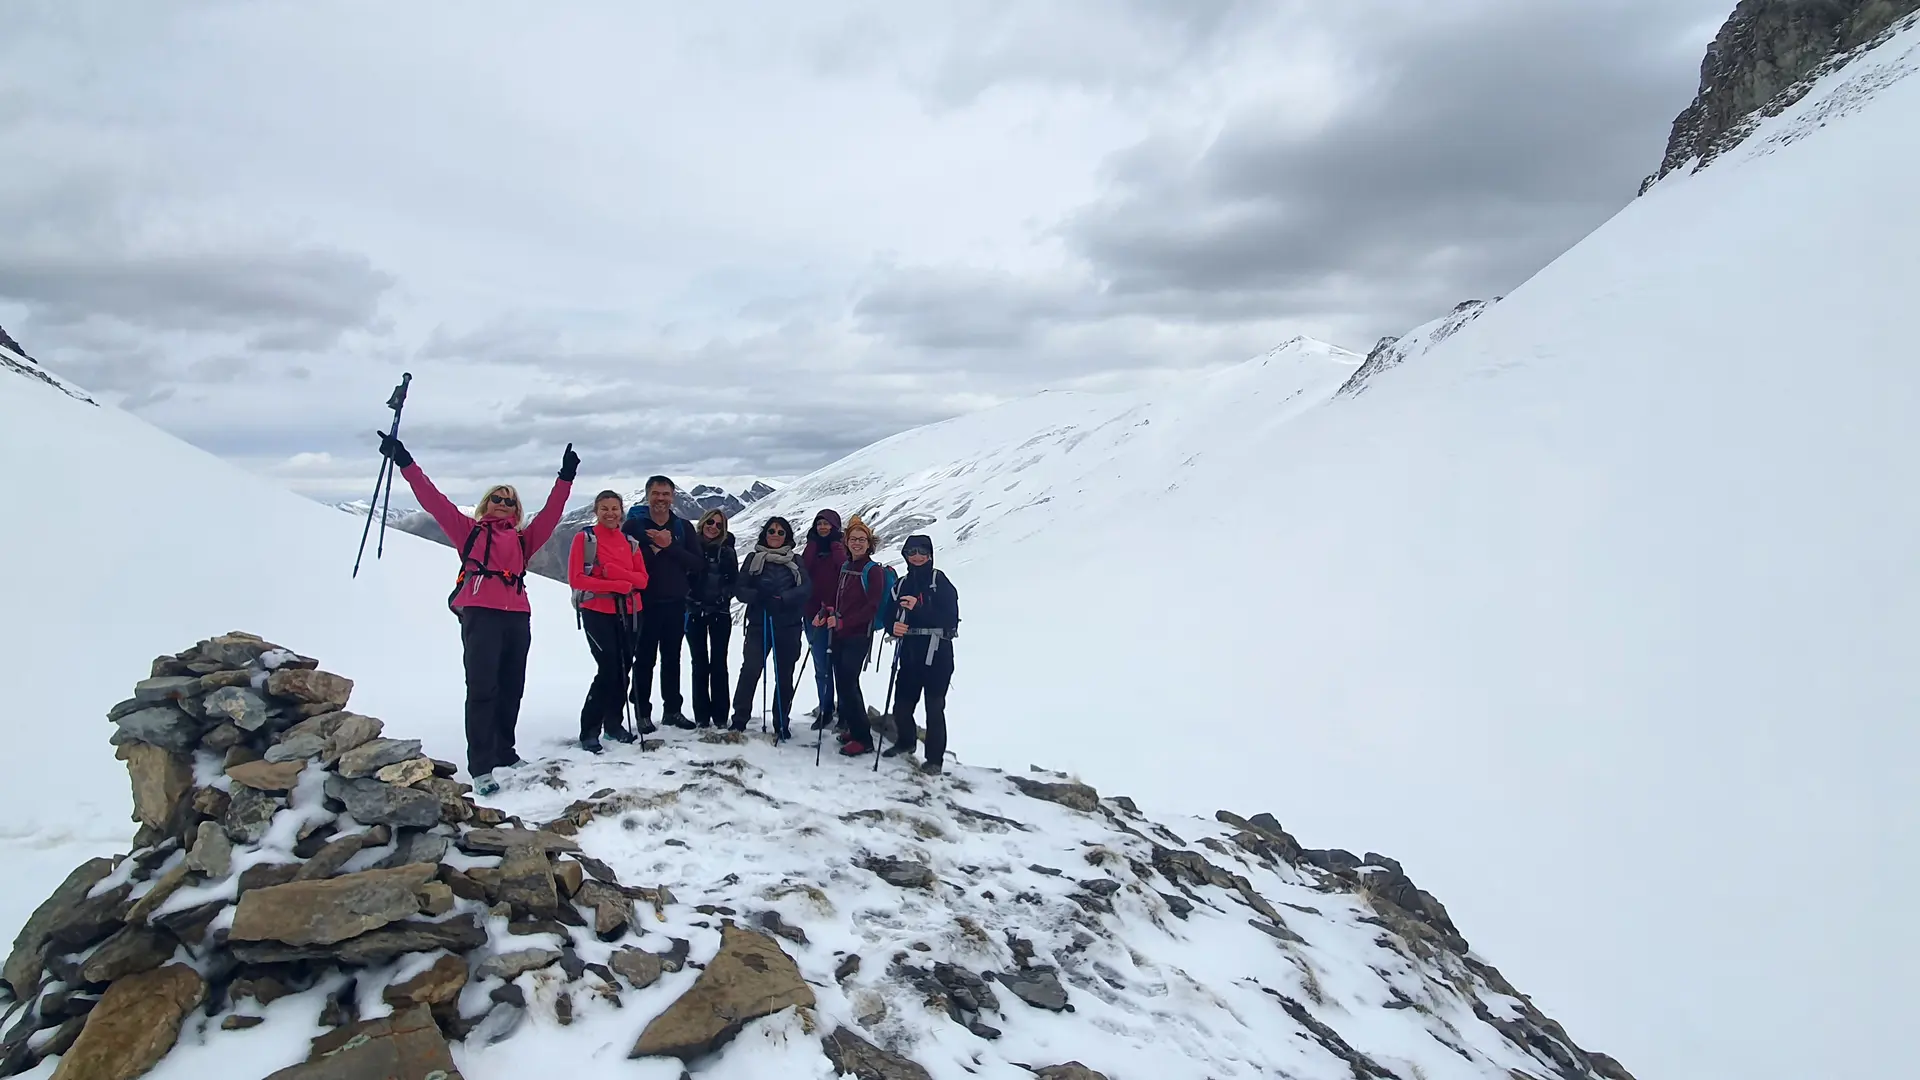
569	464
391	447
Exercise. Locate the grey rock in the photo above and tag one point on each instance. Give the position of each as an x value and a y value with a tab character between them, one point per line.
405	1045
1072	1070
237	705
1038	987
126	708
848	968
249	814
329	859
901	873
498	841
375	754
1072	796
330	911
212	852
162	726
461	934
374	803
29	955
417	847
637	966
165	688
351	732
296	747
512	965
852	1055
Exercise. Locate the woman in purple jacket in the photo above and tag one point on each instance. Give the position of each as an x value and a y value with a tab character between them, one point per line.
490	599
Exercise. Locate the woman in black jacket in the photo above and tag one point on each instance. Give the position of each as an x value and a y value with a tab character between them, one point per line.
774	587
710	619
926	621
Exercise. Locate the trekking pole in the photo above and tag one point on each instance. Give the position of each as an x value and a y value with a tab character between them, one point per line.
887	707
395	401
766	646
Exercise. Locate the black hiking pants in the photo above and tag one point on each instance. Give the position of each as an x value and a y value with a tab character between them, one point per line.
918	677
494	644
707	638
663	626
849	656
783	643
610	639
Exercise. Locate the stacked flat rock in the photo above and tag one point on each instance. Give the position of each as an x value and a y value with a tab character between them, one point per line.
284	845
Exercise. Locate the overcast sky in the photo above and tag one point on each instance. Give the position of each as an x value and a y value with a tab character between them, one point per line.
748	238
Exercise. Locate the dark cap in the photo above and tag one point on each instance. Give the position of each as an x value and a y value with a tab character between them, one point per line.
917	542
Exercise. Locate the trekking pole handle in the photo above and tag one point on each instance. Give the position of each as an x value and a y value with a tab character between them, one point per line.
398	400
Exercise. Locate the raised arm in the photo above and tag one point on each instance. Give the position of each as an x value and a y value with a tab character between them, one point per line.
548	519
452	521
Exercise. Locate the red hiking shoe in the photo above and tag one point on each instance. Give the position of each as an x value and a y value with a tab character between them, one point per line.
854	748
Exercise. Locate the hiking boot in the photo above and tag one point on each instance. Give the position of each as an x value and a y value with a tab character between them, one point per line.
592	746
844	736
821	722
674	719
896	750
620	735
854	748
782	731
931	768
646	725
485	784
516	763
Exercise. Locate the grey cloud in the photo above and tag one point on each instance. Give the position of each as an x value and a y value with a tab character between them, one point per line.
1488	145
316	292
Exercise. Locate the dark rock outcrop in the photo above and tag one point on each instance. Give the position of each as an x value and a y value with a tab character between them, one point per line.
1763	59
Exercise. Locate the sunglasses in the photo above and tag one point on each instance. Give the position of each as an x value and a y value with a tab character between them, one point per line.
918	551
501	500
711	525
776	532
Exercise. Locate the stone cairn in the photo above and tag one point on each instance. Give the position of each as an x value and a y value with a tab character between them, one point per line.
286	845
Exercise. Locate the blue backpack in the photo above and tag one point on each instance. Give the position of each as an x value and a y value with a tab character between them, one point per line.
882	615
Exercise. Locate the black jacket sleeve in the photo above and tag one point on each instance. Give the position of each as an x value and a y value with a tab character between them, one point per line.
796	597
729	568
746	588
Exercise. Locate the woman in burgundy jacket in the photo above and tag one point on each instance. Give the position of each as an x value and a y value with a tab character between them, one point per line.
490	599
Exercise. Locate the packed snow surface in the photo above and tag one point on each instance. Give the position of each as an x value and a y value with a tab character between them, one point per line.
1602	616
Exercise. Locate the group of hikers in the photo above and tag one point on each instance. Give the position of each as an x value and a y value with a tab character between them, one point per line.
645	579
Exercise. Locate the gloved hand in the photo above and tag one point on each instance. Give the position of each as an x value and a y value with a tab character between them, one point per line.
391	447
569	464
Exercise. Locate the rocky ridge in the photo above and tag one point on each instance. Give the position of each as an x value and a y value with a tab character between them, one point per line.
15	359
291	851
1767	55
1391	352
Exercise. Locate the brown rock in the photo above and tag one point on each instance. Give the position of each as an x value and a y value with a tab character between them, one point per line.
436	898
570	875
163	887
267	875
526	882
405	773
750	977
855	1056
239	755
1072	1070
376	754
310	686
612	911
498	841
222	738
463	884
329	859
406	1045
325	912
133	950
220	680
274	777
134	1025
211	802
29	956
241	1023
161	783
352	732
438	985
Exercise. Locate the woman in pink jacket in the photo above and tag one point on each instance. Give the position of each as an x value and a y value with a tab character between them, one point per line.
490	599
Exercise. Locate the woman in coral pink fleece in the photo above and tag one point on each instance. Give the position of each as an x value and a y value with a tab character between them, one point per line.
490	599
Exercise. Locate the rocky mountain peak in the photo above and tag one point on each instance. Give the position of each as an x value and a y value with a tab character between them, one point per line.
710	902
15	359
1764	59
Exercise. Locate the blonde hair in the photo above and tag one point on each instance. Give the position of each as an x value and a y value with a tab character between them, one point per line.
856	525
519	508
716	512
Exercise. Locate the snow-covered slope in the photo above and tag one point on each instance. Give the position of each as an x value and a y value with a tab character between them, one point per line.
1003	476
188	547
1603	614
1391	352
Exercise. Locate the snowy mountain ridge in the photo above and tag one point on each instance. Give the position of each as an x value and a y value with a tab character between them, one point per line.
14	359
1013	470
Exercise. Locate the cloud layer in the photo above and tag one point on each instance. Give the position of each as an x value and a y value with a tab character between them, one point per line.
751	241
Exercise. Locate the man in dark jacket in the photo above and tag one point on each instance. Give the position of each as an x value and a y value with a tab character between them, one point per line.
710	619
825	553
927	619
672	553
